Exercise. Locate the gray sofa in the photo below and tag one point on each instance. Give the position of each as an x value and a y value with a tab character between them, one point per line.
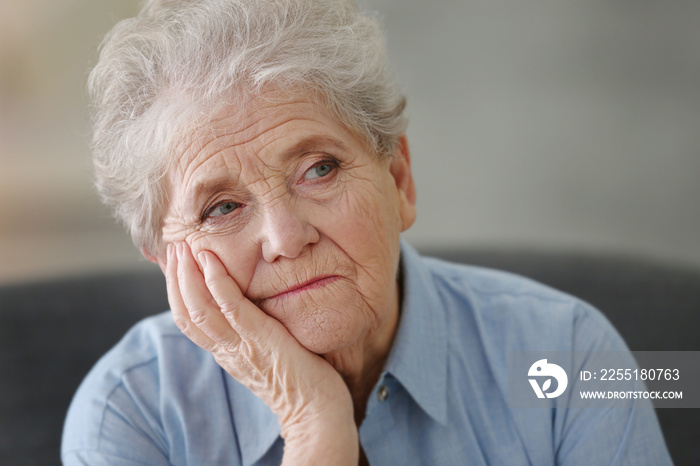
52	332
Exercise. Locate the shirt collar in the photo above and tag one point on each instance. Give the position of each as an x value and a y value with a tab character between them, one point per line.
418	358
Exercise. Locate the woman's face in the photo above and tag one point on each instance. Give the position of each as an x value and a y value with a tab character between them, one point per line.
301	213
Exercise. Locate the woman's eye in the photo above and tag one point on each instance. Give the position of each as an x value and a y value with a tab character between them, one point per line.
222	209
319	171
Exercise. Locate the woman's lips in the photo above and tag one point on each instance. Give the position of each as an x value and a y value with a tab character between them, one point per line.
312	284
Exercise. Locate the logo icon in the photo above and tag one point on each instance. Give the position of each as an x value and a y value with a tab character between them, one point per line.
544	369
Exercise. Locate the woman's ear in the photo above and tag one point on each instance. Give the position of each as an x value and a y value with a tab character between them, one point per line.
400	169
151	258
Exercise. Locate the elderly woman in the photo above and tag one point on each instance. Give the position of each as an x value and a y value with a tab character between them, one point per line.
256	152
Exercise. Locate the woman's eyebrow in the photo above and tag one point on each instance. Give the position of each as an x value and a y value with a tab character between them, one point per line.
206	188
311	144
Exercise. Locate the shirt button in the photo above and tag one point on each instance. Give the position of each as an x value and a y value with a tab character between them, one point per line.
383	393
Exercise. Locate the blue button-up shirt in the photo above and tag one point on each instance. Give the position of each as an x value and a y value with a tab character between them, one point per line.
156	398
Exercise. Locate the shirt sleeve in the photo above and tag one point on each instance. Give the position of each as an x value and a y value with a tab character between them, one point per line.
122	430
98	458
156	399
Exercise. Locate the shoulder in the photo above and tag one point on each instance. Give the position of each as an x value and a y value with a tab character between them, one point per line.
515	312
140	347
493	318
485	283
157	398
123	393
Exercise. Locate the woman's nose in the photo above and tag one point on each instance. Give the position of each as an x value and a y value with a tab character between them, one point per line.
285	233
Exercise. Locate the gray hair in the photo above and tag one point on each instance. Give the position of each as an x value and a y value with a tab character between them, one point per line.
165	71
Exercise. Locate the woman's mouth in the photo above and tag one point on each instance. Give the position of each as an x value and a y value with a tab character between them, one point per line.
312	284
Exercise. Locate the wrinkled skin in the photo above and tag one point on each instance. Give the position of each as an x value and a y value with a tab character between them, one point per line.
283	247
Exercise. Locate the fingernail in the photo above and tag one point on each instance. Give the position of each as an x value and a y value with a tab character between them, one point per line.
169	251
179	249
203	259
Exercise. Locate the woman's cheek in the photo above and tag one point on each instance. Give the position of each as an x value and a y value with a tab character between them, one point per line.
235	253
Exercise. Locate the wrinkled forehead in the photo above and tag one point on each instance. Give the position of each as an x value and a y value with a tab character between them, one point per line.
252	141
251	133
249	126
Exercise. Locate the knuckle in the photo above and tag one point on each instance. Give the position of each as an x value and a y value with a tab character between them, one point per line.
182	324
199	319
229	347
230	307
211	281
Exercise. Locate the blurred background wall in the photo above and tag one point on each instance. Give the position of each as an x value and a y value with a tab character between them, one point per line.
534	124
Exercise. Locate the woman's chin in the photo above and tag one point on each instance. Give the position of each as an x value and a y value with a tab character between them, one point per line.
321	328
